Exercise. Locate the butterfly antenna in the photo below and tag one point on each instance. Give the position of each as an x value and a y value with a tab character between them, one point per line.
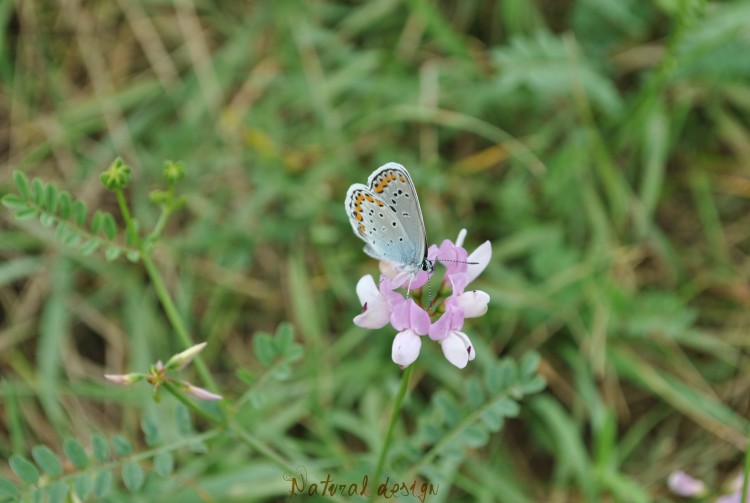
458	261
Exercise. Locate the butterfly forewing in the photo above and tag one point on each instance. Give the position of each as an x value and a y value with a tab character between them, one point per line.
386	215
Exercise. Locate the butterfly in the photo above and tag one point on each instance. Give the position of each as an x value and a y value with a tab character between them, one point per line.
385	214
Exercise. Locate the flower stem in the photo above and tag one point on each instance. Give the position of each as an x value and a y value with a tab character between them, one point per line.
389	434
162	293
746	473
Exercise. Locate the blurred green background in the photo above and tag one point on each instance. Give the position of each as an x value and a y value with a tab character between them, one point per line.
602	146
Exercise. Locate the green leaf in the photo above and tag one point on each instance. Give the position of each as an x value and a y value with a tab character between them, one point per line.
47	219
100	447
8	488
553	69
431	433
534	385
50	198
72	237
76	453
245	376
47	460
37	191
109	225
22	183
83	485
506	407
284	337
150	430
103	484
164	464
183	419
57	492
474	393
282	372
89	246
121	445
24	468
112	253
264	348
96	221
25	214
447	407
475	436
529	363
132	475
133	255
62	230
79	212
14	202
493	419
65	204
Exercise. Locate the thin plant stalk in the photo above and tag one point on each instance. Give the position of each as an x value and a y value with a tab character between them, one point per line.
389	434
162	293
746	472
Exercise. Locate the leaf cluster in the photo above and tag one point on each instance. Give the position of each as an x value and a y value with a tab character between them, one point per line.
56	208
90	474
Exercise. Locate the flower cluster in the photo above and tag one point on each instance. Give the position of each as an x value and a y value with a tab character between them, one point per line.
382	304
682	484
157	375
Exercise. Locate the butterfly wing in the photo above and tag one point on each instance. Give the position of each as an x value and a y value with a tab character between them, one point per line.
386	215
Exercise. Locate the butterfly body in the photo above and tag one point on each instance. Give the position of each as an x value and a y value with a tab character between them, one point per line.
386	215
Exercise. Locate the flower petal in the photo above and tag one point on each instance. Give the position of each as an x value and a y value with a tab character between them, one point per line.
200	393
452	319
410	316
473	303
375	312
481	256
124	379
682	484
457	349
183	359
367	290
406	346
461	237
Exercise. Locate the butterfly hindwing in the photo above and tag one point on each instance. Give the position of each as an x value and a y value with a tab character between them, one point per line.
386	215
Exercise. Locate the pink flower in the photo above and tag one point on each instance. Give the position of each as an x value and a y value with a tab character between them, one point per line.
412	322
377	303
682	484
124	379
158	374
383	304
457	349
200	393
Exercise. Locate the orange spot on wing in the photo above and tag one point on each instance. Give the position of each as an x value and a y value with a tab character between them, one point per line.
359	217
402	178
370	198
361	228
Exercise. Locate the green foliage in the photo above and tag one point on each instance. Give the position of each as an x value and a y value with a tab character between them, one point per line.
57	209
600	146
452	426
94	475
47	460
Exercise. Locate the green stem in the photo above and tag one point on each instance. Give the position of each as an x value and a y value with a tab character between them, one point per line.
190	404
389	434
746	473
163	294
160	224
